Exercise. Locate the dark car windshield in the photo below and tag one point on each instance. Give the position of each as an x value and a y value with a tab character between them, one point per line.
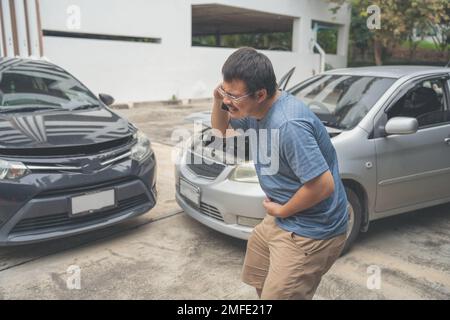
341	101
35	85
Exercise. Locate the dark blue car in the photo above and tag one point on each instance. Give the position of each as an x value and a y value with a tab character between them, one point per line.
68	164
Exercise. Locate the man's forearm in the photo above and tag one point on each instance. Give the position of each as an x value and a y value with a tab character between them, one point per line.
219	118
309	195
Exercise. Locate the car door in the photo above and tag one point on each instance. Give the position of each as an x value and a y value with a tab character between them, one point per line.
414	169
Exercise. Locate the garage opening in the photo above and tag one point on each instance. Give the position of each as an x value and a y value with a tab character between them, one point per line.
216	25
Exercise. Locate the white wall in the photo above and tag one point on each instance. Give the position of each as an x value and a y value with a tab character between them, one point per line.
148	71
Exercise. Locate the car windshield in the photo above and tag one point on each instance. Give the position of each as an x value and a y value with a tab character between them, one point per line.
341	101
36	85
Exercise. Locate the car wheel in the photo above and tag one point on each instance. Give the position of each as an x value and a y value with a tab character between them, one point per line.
355	218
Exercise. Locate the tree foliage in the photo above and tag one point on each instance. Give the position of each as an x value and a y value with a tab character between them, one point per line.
400	19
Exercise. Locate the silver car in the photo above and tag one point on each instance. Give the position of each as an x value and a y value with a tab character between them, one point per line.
390	127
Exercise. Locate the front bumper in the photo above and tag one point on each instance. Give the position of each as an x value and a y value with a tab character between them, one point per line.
223	203
233	230
38	208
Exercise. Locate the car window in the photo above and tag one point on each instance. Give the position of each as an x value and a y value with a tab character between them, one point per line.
425	102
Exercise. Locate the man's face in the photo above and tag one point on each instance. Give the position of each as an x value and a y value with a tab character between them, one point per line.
240	101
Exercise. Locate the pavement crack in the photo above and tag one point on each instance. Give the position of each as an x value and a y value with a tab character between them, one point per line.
80	245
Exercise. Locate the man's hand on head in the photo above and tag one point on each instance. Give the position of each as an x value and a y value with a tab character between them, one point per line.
216	94
219	118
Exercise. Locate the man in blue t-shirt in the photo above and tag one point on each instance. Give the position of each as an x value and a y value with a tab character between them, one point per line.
305	228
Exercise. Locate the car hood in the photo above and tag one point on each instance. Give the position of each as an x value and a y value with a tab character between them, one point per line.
204	118
61	129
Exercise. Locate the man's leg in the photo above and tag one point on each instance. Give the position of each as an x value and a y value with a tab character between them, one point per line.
256	263
297	264
258	292
320	256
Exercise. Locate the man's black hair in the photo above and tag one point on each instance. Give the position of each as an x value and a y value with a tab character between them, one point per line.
253	68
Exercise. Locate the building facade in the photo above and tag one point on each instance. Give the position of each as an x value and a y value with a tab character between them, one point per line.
144	50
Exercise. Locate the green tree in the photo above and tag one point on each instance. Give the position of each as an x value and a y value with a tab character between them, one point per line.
399	19
327	38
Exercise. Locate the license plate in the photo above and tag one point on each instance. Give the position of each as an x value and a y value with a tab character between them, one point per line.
92	202
190	192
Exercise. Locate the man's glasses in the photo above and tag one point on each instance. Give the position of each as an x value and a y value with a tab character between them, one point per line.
234	99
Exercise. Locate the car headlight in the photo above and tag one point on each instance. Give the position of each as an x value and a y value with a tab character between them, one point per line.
12	170
245	173
142	149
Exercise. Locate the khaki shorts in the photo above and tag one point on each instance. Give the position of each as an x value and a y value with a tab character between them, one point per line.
287	266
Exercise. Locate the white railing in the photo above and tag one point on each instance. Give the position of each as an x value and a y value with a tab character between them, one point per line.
316	45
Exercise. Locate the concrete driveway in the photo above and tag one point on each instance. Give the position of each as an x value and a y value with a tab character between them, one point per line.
164	254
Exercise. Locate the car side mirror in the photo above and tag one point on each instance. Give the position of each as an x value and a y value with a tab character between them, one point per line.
106	99
401	125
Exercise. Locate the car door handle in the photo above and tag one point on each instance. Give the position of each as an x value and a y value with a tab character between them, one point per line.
447	141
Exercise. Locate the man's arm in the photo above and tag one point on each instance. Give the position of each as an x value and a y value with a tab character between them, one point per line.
220	119
299	146
310	194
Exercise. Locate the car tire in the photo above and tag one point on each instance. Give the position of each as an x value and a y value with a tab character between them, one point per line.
355	210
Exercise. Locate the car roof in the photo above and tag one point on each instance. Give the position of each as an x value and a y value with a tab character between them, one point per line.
11	61
388	71
16	59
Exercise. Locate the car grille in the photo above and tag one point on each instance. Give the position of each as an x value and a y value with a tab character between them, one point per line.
208	170
210	211
63	220
76	167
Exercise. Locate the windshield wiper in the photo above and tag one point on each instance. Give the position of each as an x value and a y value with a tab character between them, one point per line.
27	109
85	106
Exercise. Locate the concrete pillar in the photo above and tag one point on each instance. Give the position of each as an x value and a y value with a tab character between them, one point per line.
2	34
343	38
34	28
308	34
21	28
7	29
296	35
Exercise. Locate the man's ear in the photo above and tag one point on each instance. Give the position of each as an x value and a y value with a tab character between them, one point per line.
261	95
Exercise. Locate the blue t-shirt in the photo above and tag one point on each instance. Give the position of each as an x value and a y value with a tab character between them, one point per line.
294	149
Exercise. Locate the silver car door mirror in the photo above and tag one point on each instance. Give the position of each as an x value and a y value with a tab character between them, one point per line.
401	125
